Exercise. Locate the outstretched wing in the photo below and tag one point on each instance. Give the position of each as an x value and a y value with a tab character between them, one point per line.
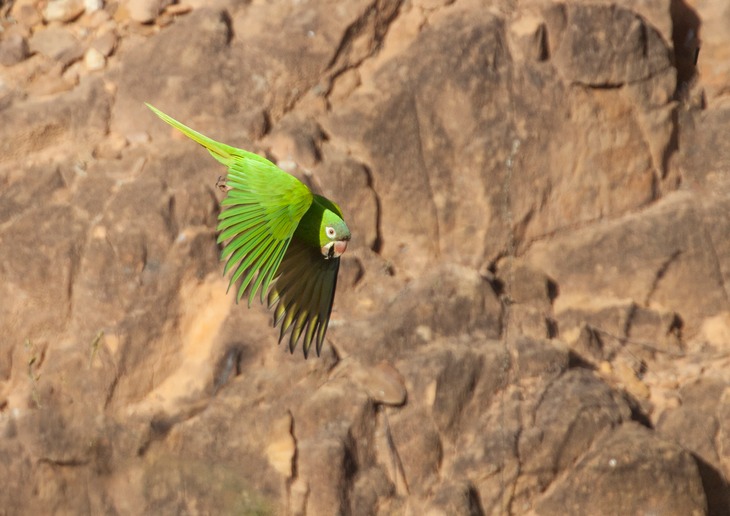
303	294
263	208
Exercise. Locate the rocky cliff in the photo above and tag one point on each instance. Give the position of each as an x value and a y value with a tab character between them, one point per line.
533	316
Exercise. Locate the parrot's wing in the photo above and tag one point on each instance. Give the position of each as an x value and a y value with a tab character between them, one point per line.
303	293
264	207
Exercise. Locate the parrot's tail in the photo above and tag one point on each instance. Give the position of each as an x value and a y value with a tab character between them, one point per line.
220	151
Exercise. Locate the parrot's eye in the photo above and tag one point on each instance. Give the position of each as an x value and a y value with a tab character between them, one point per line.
330	232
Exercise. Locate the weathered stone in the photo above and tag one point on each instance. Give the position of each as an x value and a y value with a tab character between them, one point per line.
93	6
297	141
63	10
723	438
703	43
419	449
528	38
48	123
598	45
282	448
58	44
540	358
94	60
370	491
434	154
524	283
341	177
572	414
462	302
13	49
668	482
695	425
99	20
26	13
459	499
145	11
383	382
591	274
105	43
111	147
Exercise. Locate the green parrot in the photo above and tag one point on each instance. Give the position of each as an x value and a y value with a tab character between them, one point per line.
277	230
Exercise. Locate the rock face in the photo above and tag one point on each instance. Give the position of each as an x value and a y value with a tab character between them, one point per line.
533	316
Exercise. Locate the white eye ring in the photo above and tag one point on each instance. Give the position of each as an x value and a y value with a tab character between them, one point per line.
330	232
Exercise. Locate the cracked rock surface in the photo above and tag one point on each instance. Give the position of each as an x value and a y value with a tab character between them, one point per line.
533	316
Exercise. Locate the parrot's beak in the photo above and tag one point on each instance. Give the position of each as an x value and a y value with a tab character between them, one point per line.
334	249
340	247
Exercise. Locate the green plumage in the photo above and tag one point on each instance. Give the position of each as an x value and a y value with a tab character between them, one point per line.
278	238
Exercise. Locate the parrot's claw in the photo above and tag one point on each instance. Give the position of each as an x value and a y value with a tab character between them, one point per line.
221	184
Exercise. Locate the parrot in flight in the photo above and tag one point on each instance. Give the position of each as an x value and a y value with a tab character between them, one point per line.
276	230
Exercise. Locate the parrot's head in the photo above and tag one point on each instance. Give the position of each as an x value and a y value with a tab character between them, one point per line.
334	235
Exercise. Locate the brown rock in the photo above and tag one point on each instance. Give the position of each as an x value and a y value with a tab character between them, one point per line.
432	152
97	19
704	42
418	449
58	44
661	477
540	358
328	428
63	10
463	302
383	383
371	491
539	204
343	178
178	9
213	487
695	425
57	81
297	141
50	122
93	6
26	13
574	411
111	147
715	331
705	155
627	49
94	60
603	330
666	236
203	34
13	49
145	11
282	448
723	438
105	43
528	38
460	499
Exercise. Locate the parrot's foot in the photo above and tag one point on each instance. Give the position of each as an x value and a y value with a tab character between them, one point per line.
221	184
